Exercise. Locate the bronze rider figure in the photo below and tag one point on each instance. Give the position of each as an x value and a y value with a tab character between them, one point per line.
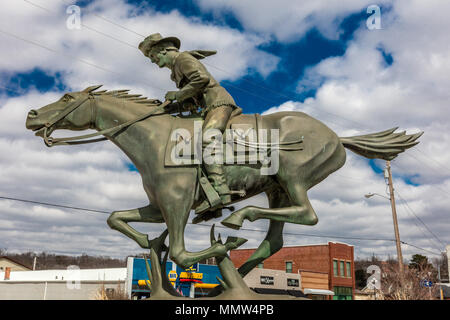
196	87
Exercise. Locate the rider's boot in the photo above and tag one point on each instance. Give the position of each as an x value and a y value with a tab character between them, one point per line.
216	174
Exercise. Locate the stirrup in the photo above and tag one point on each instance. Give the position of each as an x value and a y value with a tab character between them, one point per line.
203	207
208	215
206	206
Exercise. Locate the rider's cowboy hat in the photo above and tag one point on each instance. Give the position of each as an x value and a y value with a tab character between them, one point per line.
154	39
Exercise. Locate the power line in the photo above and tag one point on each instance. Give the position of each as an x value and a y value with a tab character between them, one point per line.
302	234
433	169
199	224
432	242
53	205
218	226
208	64
426	163
11	90
132	46
421	221
112	22
434	160
73	57
84	25
417	247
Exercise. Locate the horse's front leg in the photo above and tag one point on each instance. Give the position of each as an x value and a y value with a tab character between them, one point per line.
118	220
176	209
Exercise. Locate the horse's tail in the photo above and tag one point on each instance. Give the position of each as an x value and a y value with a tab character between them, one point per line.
381	145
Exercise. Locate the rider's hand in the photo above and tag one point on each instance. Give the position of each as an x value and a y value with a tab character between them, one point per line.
171	95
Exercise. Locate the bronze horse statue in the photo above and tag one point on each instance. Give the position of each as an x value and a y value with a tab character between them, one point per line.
125	120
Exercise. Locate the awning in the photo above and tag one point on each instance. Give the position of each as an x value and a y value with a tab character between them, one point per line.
295	293
318	291
205	285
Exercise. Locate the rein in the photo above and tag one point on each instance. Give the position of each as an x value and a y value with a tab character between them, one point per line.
50	141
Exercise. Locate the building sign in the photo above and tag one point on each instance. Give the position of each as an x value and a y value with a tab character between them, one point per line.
292	282
191	275
172	276
266	280
193	268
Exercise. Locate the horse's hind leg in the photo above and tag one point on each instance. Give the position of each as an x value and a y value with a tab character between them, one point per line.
300	211
274	238
118	220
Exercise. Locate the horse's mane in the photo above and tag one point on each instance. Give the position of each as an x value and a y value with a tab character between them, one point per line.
123	94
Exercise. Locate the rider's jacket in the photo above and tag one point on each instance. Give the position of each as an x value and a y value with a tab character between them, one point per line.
195	82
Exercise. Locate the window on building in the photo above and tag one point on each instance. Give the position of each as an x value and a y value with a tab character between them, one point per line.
261	265
288	266
341	269
293	283
335	268
348	269
342	293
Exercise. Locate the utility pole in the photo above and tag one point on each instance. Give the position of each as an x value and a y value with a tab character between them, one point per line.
441	293
34	263
388	175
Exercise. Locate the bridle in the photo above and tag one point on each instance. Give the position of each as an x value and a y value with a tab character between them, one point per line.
50	141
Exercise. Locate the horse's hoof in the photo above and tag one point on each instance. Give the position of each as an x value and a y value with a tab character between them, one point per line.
143	242
158	242
232	222
234	242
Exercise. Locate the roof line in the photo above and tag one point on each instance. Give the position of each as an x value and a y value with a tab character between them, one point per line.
15	261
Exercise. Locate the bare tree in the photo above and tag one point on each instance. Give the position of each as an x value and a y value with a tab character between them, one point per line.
410	285
47	261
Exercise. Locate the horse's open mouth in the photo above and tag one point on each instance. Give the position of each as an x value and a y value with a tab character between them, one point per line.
41	130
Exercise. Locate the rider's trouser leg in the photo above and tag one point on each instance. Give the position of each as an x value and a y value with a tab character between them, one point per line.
217	118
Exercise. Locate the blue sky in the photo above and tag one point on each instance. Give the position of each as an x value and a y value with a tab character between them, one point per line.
316	57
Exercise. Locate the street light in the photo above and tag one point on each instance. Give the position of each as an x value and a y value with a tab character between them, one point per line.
370	195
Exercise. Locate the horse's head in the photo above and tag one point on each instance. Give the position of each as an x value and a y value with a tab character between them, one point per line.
74	111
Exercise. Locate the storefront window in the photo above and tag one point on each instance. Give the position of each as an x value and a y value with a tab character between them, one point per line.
342	293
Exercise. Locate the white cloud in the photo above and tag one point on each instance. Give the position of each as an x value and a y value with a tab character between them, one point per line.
288	21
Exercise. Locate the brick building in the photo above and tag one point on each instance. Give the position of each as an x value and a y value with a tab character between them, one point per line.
326	267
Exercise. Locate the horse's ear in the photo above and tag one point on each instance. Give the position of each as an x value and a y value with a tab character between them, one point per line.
92	88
